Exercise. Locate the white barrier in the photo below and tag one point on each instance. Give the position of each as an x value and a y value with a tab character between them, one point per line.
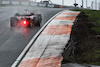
42	5
33	4
25	3
5	2
15	2
50	5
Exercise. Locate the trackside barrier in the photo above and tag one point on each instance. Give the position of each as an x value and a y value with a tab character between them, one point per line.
33	4
47	49
42	4
25	3
5	2
56	6
28	3
15	2
50	5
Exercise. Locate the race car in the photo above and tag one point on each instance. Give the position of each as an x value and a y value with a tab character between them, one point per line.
26	19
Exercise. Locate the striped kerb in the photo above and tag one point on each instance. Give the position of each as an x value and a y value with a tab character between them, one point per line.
47	49
64	18
69	13
57	30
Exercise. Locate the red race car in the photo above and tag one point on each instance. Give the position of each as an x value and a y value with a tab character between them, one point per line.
26	19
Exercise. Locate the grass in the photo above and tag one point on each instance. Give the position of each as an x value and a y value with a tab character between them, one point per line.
97	29
1	5
88	46
93	17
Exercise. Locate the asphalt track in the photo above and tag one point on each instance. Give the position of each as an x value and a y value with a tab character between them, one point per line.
14	40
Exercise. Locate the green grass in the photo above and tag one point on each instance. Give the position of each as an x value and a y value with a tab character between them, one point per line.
97	29
88	47
97	51
95	63
1	5
98	21
93	17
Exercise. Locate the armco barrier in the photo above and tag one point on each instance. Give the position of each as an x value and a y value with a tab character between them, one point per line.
47	49
50	5
42	4
28	3
25	3
5	2
56	6
15	2
33	4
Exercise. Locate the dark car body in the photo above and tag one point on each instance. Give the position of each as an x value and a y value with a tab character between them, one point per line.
27	20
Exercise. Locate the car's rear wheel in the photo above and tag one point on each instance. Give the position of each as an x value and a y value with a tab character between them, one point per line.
13	21
30	25
38	23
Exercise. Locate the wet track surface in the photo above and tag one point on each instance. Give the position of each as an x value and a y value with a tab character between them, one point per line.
14	40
